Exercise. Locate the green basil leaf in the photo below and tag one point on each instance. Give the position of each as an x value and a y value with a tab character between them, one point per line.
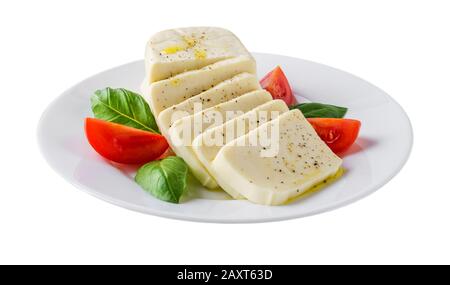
165	179
318	110
123	107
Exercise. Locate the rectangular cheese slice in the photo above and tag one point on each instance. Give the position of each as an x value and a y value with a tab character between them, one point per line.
171	52
208	144
184	131
166	93
222	92
302	161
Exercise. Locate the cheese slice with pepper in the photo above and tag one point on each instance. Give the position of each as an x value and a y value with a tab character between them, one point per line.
171	52
302	161
208	144
184	131
166	93
222	92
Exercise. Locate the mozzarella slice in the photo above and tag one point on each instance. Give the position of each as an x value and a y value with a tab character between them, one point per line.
222	92
302	161
208	144
166	93
184	131
171	52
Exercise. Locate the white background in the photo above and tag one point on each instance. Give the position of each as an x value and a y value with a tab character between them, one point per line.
401	46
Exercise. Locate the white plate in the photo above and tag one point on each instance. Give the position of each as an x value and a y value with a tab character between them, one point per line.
381	150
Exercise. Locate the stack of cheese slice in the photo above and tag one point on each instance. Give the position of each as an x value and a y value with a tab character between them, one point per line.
201	86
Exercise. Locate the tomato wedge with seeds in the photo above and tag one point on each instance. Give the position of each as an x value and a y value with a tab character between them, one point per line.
338	134
124	144
276	83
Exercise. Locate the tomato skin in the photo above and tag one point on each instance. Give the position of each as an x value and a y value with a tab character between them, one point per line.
276	83
124	144
168	152
338	134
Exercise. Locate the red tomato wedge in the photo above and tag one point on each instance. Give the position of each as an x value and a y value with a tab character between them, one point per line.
338	134
276	83
167	153
124	144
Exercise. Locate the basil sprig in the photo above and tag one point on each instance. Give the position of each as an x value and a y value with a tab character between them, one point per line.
124	107
318	110
165	179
